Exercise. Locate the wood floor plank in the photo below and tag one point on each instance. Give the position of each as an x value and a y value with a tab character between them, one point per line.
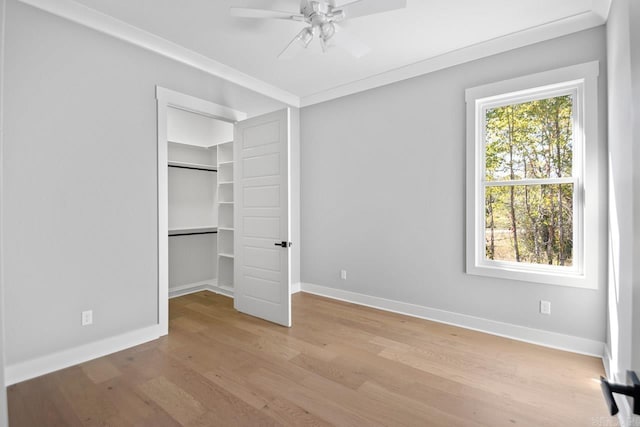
100	370
227	408
340	364
546	395
83	396
340	373
183	407
283	411
441	391
238	386
317	402
414	410
283	337
134	407
41	393
288	414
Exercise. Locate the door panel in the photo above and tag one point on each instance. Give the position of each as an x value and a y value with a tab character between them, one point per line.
264	196
262	166
261	211
267	228
265	133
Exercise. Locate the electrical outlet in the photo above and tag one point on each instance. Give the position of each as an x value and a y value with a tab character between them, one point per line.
343	274
87	317
545	307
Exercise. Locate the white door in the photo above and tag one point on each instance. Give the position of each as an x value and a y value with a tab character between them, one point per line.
261	217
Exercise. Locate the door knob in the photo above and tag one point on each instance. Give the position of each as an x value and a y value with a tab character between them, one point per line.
283	244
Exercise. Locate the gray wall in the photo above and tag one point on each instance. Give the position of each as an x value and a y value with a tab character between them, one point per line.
383	194
192	259
79	203
192	198
623	42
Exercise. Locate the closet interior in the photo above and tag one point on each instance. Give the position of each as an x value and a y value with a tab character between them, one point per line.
200	203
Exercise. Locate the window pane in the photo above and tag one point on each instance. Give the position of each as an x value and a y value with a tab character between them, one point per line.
529	140
530	224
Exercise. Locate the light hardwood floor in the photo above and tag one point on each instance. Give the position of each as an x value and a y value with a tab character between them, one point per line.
340	364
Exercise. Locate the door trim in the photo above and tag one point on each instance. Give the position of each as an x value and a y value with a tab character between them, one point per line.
168	98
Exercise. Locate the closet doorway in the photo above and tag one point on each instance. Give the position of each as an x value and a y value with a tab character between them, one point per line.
223	206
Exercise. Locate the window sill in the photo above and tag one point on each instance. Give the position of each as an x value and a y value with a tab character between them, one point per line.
570	279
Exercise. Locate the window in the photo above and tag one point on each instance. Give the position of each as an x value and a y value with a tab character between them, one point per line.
531	205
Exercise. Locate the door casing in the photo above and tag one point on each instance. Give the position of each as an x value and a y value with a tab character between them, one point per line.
167	98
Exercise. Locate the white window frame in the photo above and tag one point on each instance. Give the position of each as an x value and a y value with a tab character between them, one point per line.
581	82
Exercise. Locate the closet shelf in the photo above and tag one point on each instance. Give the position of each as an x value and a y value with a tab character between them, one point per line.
192	144
186	231
195	166
225	215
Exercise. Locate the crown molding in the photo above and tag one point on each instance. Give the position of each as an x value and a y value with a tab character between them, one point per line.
559	28
109	25
106	24
602	8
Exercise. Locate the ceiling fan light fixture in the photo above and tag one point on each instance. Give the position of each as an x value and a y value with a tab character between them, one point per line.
305	36
327	30
322	18
316	6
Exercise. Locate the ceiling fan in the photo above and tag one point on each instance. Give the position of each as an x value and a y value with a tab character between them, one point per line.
321	18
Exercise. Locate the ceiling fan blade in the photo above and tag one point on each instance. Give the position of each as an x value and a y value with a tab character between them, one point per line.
244	12
295	47
346	41
355	9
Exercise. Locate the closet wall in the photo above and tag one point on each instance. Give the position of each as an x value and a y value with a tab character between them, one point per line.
193	199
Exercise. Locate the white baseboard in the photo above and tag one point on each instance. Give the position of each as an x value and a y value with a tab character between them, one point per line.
206	285
226	291
28	369
178	291
212	285
295	288
507	330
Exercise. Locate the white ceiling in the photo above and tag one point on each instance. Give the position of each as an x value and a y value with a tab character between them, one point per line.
404	42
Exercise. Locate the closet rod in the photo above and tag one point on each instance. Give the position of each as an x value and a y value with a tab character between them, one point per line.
194	168
193	233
